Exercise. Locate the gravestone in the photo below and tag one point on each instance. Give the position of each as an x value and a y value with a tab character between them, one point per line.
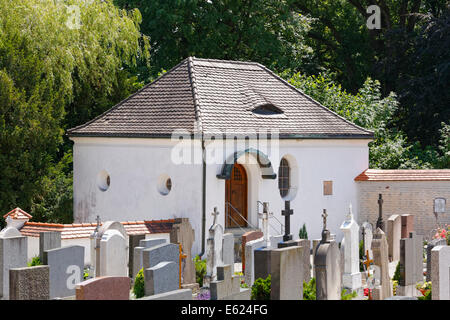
250	248
109	249
48	240
104	288
327	266
380	222
183	234
66	270
433	243
440	274
227	286
29	283
306	258
113	256
166	252
161	278
287	274
394	232
133	242
246	237
367	231
214	250
138	262
228	250
382	289
180	294
407	225
13	254
287	238
352	277
411	260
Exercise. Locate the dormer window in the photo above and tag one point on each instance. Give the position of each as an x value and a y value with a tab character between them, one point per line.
267	110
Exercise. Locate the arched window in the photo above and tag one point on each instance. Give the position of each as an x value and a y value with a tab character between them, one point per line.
284	176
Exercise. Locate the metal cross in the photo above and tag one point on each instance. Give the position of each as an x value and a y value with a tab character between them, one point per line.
324	216
368	261
98	223
287	212
215	214
380	223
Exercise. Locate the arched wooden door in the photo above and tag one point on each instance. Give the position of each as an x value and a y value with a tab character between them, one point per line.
236	192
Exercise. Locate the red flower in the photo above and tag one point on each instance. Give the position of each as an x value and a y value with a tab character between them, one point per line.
366	292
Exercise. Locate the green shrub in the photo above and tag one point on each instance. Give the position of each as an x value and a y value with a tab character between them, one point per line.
347	296
397	276
138	287
427	296
200	270
261	289
303	234
309	289
35	261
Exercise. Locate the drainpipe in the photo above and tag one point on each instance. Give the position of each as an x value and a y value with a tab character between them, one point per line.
203	197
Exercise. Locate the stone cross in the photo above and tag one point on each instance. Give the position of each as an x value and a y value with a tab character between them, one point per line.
287	212
380	223
215	213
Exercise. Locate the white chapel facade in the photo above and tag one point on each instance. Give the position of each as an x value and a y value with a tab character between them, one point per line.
263	141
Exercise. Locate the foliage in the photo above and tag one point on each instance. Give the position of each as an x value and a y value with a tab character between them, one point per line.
261	289
309	289
35	261
54	76
394	287
361	255
85	273
390	148
200	270
425	288
265	31
348	296
139	285
303	234
204	296
397	275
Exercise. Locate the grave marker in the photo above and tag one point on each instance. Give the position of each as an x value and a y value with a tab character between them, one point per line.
183	233
30	283
227	286
394	232
440	275
380	251
161	278
48	240
104	288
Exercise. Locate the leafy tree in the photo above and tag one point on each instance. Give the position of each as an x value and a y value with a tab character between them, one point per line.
390	148
61	63
266	31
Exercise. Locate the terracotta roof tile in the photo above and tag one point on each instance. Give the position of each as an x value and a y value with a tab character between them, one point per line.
84	230
215	96
17	214
404	175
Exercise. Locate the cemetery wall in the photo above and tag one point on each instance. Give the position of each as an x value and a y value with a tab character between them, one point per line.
405	197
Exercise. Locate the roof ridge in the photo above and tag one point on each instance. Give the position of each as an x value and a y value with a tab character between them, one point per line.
312	99
196	100
126	99
227	61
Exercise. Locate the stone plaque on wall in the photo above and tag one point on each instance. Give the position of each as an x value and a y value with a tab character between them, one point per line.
439	205
328	188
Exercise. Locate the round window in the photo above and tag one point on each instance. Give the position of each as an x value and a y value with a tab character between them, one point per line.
103	180
164	184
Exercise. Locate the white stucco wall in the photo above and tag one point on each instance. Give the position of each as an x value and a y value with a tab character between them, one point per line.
135	165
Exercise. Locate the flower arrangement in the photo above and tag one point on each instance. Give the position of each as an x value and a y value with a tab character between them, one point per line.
424	288
443	233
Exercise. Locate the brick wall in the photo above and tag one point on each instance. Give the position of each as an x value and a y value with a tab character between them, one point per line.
404	197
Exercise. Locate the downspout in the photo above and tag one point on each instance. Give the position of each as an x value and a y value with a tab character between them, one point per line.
203	197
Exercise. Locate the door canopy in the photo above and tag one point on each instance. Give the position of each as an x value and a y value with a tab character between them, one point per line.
263	161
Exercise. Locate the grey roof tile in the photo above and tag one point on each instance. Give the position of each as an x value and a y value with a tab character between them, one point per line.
212	96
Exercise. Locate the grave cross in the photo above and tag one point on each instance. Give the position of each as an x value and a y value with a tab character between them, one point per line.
324	216
287	212
380	223
215	213
368	261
